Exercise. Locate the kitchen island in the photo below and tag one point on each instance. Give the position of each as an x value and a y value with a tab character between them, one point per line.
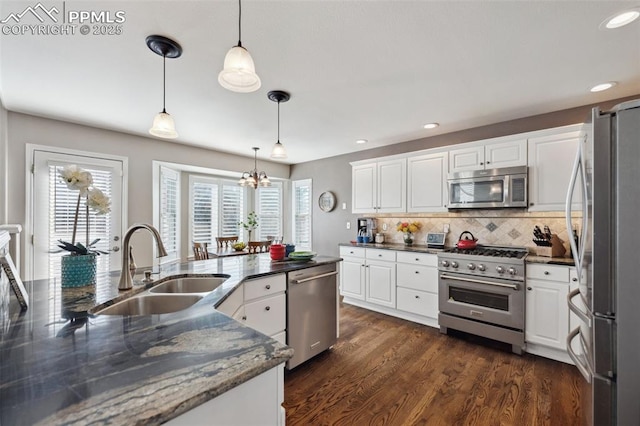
61	364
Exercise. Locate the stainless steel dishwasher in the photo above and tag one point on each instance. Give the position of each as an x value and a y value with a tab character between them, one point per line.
312	313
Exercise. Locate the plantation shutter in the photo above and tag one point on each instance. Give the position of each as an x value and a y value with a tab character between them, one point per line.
204	212
302	214
232	209
269	210
169	212
63	203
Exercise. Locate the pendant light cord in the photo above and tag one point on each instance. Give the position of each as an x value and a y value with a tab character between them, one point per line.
239	23
164	83
278	121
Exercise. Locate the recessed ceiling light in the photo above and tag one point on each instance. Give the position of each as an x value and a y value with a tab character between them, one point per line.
361	141
603	86
621	19
431	125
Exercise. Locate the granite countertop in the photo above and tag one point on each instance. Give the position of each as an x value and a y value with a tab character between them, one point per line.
419	248
59	364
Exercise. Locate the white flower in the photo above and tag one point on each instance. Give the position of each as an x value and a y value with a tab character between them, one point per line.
76	178
98	201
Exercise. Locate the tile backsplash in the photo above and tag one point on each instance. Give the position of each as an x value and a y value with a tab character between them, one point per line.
496	227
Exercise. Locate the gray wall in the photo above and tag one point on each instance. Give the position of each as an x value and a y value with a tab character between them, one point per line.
334	174
141	151
3	163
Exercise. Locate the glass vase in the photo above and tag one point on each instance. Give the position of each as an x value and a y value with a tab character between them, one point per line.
78	270
408	238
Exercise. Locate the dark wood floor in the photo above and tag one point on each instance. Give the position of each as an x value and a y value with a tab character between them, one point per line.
387	371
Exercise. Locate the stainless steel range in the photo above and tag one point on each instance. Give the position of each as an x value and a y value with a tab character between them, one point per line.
481	291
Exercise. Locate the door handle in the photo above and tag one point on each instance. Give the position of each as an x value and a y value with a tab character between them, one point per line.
582	368
315	277
584	317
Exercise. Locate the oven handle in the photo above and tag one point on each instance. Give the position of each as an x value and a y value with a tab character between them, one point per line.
469	280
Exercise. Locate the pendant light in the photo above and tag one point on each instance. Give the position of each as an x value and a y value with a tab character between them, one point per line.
239	73
253	178
163	124
278	96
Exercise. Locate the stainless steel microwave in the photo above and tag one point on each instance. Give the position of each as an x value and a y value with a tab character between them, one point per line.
488	189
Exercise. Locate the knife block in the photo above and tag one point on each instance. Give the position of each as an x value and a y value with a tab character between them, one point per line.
556	250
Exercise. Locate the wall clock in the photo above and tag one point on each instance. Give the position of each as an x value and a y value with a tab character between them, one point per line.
327	201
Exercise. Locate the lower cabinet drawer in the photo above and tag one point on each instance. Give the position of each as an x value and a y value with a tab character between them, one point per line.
265	286
417	302
417	277
267	315
280	337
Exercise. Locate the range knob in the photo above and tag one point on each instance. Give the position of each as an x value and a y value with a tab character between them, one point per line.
454	264
500	269
481	267
471	266
445	263
512	270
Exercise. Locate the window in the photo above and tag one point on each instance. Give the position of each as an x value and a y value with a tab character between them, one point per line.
269	210
302	214
215	208
170	212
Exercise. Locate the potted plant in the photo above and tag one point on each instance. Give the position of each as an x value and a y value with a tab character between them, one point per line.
250	224
79	267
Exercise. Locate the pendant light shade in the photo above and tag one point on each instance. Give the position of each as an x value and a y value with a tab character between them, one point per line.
278	151
254	178
163	124
239	73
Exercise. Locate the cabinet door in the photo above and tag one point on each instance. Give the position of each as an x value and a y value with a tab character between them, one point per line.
547	314
505	154
466	159
364	188
267	315
392	186
427	183
381	283
352	278
550	161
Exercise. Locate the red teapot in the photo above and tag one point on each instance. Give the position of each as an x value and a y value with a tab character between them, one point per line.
467	243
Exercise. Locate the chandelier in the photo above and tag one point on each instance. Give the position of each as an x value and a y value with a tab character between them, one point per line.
254	178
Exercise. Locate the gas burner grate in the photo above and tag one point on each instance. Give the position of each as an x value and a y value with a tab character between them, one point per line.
489	251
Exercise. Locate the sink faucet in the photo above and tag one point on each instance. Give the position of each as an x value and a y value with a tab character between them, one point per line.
125	277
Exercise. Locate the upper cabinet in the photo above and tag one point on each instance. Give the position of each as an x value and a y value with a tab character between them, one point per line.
427	182
380	186
551	160
489	155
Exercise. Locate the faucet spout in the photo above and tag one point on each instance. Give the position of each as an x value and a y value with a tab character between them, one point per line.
126	282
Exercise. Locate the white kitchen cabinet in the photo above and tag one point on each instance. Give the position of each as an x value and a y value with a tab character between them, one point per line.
379	187
352	274
265	304
417	284
551	159
257	401
427	182
380	277
547	313
490	154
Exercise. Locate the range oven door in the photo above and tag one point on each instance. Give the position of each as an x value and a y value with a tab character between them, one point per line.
490	300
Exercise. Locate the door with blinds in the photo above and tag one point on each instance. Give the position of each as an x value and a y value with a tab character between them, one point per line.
53	208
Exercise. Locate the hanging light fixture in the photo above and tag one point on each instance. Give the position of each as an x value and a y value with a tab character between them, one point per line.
239	73
253	178
163	124
278	96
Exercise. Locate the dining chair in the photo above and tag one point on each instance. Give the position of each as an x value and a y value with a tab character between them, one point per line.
200	251
258	246
226	242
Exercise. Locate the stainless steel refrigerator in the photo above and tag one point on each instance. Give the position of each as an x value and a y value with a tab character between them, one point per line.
606	345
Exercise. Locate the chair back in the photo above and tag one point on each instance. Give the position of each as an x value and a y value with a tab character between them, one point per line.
200	251
258	246
226	242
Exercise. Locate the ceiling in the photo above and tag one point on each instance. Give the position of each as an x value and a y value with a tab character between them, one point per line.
376	70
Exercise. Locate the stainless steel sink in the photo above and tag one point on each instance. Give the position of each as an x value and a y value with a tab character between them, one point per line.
189	285
151	304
